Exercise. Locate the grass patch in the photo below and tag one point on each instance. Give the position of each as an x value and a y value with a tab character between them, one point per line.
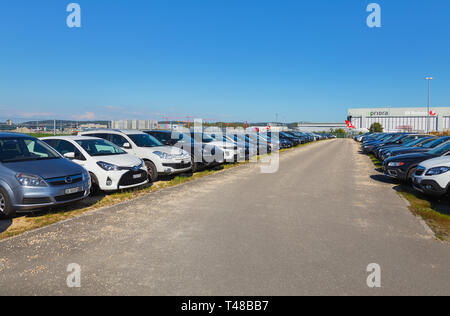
435	212
376	162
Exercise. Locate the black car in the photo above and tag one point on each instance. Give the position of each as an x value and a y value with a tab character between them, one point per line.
369	146
295	140
303	139
404	140
276	142
402	167
423	147
399	141
202	155
417	143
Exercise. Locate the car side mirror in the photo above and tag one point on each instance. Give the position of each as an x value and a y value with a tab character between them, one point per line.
69	155
126	146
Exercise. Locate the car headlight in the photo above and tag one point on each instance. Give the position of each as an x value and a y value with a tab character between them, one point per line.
396	164
162	155
29	180
107	166
437	170
86	175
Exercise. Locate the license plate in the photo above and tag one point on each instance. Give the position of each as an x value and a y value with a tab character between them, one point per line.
73	190
137	176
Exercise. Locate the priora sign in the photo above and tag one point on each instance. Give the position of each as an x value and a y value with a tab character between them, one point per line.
379	113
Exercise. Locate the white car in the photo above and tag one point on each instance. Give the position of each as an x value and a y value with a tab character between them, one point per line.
110	167
432	177
232	153
159	159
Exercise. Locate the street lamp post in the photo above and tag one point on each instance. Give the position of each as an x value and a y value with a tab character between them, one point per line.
429	96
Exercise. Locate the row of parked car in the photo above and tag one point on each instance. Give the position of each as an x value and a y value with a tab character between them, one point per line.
38	173
421	160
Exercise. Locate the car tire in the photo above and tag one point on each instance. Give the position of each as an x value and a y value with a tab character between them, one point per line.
6	209
409	177
194	164
95	188
151	169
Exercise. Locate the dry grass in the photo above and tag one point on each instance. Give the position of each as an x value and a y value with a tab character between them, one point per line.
435	212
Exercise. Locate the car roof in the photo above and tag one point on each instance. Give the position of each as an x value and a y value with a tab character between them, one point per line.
106	130
74	138
18	135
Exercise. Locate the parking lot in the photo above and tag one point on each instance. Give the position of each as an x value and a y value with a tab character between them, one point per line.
311	228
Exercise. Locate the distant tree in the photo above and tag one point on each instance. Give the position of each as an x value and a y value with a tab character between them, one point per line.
376	128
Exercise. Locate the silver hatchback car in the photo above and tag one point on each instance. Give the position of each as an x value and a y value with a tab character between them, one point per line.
34	175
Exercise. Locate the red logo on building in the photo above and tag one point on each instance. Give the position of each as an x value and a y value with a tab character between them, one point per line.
349	125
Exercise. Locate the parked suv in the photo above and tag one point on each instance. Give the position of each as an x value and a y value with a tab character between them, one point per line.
34	175
432	177
403	167
202	155
231	152
159	159
110	167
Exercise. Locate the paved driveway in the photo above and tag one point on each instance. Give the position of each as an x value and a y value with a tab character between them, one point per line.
311	228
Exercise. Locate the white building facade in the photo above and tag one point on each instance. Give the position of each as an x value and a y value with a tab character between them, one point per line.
402	119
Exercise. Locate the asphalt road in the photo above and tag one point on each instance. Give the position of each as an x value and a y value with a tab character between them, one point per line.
311	228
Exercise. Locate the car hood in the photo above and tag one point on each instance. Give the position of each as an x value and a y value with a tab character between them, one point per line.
392	148
436	162
47	169
119	160
222	145
412	156
409	150
175	151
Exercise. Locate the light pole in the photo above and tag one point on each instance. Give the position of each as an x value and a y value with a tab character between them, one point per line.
429	96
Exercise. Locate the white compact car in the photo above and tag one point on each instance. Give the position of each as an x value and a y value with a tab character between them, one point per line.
110	167
159	159
432	177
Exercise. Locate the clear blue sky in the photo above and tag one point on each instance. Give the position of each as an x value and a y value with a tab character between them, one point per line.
220	59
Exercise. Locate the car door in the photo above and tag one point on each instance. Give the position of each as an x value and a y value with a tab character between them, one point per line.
122	141
65	147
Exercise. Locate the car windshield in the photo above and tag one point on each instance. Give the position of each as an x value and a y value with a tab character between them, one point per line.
205	138
145	140
440	150
99	147
396	138
436	142
25	149
286	135
387	137
413	142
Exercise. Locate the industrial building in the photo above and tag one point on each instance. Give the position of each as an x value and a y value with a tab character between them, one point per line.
320	127
402	119
135	124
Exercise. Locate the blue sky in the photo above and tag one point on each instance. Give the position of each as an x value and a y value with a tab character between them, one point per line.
219	59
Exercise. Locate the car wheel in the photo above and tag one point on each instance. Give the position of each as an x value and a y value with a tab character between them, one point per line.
152	172
194	165
95	188
6	209
411	173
